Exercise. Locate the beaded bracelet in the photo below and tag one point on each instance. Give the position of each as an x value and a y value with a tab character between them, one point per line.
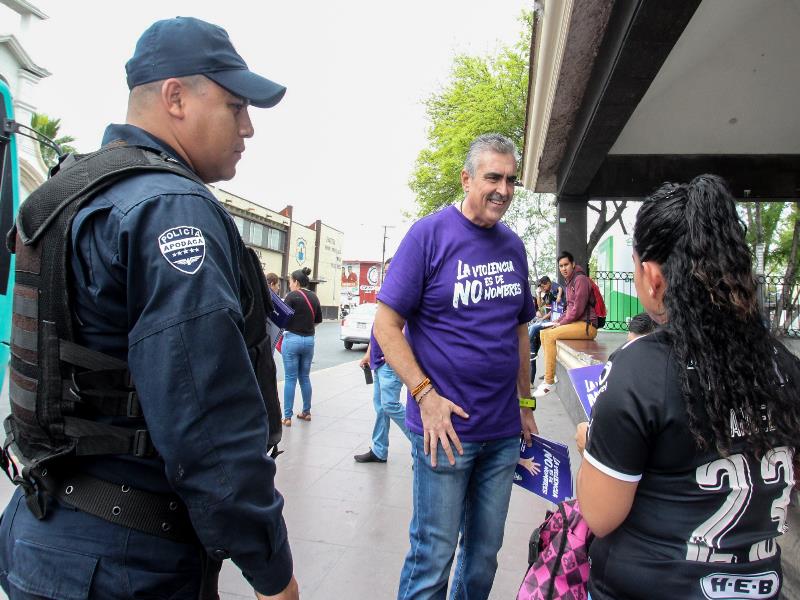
420	387
423	394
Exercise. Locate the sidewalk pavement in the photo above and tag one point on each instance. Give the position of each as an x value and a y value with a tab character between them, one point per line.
348	522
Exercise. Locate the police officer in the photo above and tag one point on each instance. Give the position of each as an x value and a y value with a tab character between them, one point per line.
155	265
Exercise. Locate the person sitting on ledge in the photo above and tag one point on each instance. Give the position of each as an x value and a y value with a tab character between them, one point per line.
579	321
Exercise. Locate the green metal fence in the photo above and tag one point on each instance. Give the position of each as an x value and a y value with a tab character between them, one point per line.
780	301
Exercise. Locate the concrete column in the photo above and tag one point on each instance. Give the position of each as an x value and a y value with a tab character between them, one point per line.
571	233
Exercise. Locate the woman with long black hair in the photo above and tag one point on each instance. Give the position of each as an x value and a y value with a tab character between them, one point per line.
687	467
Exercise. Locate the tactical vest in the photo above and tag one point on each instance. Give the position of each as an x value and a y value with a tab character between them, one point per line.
58	387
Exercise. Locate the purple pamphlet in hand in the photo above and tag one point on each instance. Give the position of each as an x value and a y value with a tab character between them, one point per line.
281	312
586	381
544	469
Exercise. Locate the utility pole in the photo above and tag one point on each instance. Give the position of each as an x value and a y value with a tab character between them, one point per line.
383	252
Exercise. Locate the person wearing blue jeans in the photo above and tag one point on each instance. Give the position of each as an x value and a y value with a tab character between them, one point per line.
386	400
297	347
534	329
452	320
297	352
550	292
452	501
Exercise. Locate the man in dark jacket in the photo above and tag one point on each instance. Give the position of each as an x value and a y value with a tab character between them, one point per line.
155	271
579	321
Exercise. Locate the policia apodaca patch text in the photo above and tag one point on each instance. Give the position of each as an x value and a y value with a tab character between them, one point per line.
134	294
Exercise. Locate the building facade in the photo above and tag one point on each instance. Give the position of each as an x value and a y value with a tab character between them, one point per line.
284	246
21	74
262	229
318	247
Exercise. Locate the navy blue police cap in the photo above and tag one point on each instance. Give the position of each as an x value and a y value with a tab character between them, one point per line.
186	46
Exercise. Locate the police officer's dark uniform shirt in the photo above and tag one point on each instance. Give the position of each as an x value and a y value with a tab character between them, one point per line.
156	277
701	526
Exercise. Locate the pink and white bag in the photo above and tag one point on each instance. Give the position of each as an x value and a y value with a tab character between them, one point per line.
558	557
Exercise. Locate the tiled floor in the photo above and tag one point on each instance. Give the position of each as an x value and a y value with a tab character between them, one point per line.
348	522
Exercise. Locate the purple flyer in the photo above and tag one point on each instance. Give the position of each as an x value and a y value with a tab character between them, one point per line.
544	469
586	381
281	312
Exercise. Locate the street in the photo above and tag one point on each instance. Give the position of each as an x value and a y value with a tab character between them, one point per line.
328	349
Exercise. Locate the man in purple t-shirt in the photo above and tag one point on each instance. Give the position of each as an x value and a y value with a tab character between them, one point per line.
385	399
459	283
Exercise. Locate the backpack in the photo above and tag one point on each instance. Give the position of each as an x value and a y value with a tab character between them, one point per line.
596	301
558	556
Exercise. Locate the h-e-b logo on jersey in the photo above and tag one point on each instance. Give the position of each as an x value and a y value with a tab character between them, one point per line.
729	586
184	248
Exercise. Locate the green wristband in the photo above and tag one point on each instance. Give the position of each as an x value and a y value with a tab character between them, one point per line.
527	403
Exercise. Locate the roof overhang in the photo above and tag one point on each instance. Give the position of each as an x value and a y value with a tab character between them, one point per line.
566	39
628	94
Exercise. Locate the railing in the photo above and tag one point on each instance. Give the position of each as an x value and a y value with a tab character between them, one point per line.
620	297
780	302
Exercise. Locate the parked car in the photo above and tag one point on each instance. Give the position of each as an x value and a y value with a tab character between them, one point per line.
357	325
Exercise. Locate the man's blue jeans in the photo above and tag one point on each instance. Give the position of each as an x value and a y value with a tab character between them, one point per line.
386	400
471	498
297	352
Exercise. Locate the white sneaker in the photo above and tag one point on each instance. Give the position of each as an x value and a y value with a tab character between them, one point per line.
544	389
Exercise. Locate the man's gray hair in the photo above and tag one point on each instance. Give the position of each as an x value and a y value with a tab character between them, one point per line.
488	142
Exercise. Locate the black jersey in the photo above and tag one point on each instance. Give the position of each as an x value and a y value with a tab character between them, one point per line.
701	526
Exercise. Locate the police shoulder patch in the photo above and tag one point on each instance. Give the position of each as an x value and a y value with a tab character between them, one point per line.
184	248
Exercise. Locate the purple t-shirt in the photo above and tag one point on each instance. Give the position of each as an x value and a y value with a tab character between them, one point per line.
463	291
376	358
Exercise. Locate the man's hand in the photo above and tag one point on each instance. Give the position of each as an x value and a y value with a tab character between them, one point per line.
580	436
364	362
290	592
435	411
528	424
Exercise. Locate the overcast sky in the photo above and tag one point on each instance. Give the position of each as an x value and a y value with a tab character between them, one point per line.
341	145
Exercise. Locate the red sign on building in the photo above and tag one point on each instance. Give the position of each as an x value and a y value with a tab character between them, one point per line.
360	282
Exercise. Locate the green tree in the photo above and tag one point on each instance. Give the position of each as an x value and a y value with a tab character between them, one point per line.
490	94
485	94
532	216
776	225
788	251
781	249
49	128
763	227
